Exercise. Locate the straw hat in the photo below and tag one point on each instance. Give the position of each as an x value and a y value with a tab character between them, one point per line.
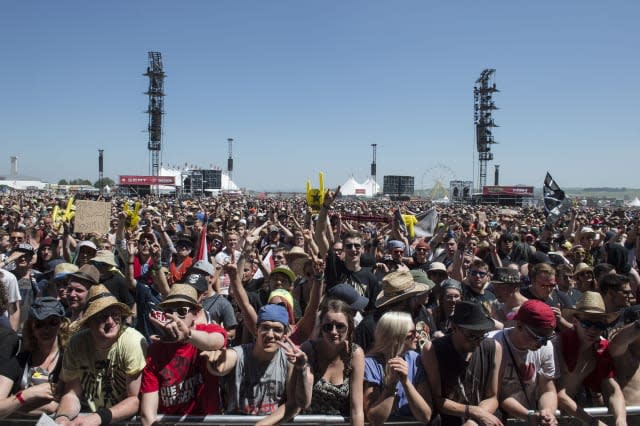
582	267
105	256
181	293
296	259
591	305
98	300
397	286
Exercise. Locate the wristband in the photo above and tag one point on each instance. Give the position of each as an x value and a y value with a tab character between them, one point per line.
302	367
466	411
318	277
105	415
64	415
20	398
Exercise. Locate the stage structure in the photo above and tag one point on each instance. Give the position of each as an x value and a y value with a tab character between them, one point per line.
230	159
155	111
374	185
484	106
460	191
198	182
398	186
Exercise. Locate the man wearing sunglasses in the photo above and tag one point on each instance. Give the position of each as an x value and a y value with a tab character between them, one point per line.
345	268
543	288
474	286
176	379
528	369
586	364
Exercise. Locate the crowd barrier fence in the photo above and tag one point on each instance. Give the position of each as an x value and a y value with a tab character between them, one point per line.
633	418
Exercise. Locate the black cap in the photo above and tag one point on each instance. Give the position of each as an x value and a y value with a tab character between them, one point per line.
349	295
472	316
45	307
198	281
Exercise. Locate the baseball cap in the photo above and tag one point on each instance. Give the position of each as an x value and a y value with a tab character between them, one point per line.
536	314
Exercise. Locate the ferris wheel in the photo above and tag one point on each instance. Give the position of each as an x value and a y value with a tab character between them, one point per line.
435	180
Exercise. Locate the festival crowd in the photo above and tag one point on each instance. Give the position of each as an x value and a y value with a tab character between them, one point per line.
262	306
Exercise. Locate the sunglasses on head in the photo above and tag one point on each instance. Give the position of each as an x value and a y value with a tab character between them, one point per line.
339	326
600	325
181	311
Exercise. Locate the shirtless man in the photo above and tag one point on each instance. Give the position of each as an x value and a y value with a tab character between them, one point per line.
624	347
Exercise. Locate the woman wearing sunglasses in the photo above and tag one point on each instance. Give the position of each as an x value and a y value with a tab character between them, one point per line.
395	385
28	380
336	365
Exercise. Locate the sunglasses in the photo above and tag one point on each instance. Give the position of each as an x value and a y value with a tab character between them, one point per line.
143	242
54	322
398	252
181	311
423	250
103	316
474	337
597	324
475	273
540	340
339	326
353	246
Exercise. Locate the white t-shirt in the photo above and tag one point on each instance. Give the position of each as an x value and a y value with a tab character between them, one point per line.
222	259
529	364
10	283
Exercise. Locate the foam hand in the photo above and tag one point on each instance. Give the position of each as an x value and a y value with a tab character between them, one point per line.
315	196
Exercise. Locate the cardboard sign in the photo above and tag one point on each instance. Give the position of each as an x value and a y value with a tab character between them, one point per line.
92	216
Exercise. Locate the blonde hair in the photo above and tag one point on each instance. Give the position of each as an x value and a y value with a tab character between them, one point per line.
390	337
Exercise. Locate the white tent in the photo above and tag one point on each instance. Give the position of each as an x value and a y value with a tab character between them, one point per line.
352	188
634	203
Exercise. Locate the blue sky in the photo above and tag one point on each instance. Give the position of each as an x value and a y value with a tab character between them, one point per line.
306	86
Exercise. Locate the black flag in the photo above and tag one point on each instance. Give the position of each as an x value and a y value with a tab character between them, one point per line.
556	202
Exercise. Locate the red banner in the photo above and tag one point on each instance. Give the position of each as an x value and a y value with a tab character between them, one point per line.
147	180
526	191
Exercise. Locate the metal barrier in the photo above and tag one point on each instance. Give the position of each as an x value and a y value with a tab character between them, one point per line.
633	418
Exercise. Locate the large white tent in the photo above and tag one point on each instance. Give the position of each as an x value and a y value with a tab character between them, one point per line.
353	188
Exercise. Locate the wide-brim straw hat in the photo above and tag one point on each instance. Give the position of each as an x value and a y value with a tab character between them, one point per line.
181	293
105	256
397	286
99	299
591	305
296	259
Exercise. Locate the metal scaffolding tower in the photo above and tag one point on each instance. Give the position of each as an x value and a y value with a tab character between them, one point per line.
156	110
373	170
484	106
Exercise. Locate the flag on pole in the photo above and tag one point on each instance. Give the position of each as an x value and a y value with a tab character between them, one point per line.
203	248
427	222
556	203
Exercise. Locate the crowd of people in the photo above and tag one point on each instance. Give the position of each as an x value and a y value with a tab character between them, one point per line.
263	306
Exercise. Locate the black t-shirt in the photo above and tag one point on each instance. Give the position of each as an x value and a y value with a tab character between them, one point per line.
485	299
363	280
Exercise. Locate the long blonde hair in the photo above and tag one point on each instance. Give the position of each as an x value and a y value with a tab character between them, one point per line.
390	335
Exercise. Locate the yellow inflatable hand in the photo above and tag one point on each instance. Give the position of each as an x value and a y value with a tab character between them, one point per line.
69	211
133	216
410	221
315	196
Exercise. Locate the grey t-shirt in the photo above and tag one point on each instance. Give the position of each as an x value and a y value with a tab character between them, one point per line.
257	388
221	311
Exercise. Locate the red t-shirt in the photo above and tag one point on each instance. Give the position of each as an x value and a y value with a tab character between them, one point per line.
179	374
604	368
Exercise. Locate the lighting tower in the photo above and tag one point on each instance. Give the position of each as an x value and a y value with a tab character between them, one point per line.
373	170
483	106
230	160
156	110
100	169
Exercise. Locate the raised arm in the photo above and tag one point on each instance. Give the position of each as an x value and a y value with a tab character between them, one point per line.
308	320
321	225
